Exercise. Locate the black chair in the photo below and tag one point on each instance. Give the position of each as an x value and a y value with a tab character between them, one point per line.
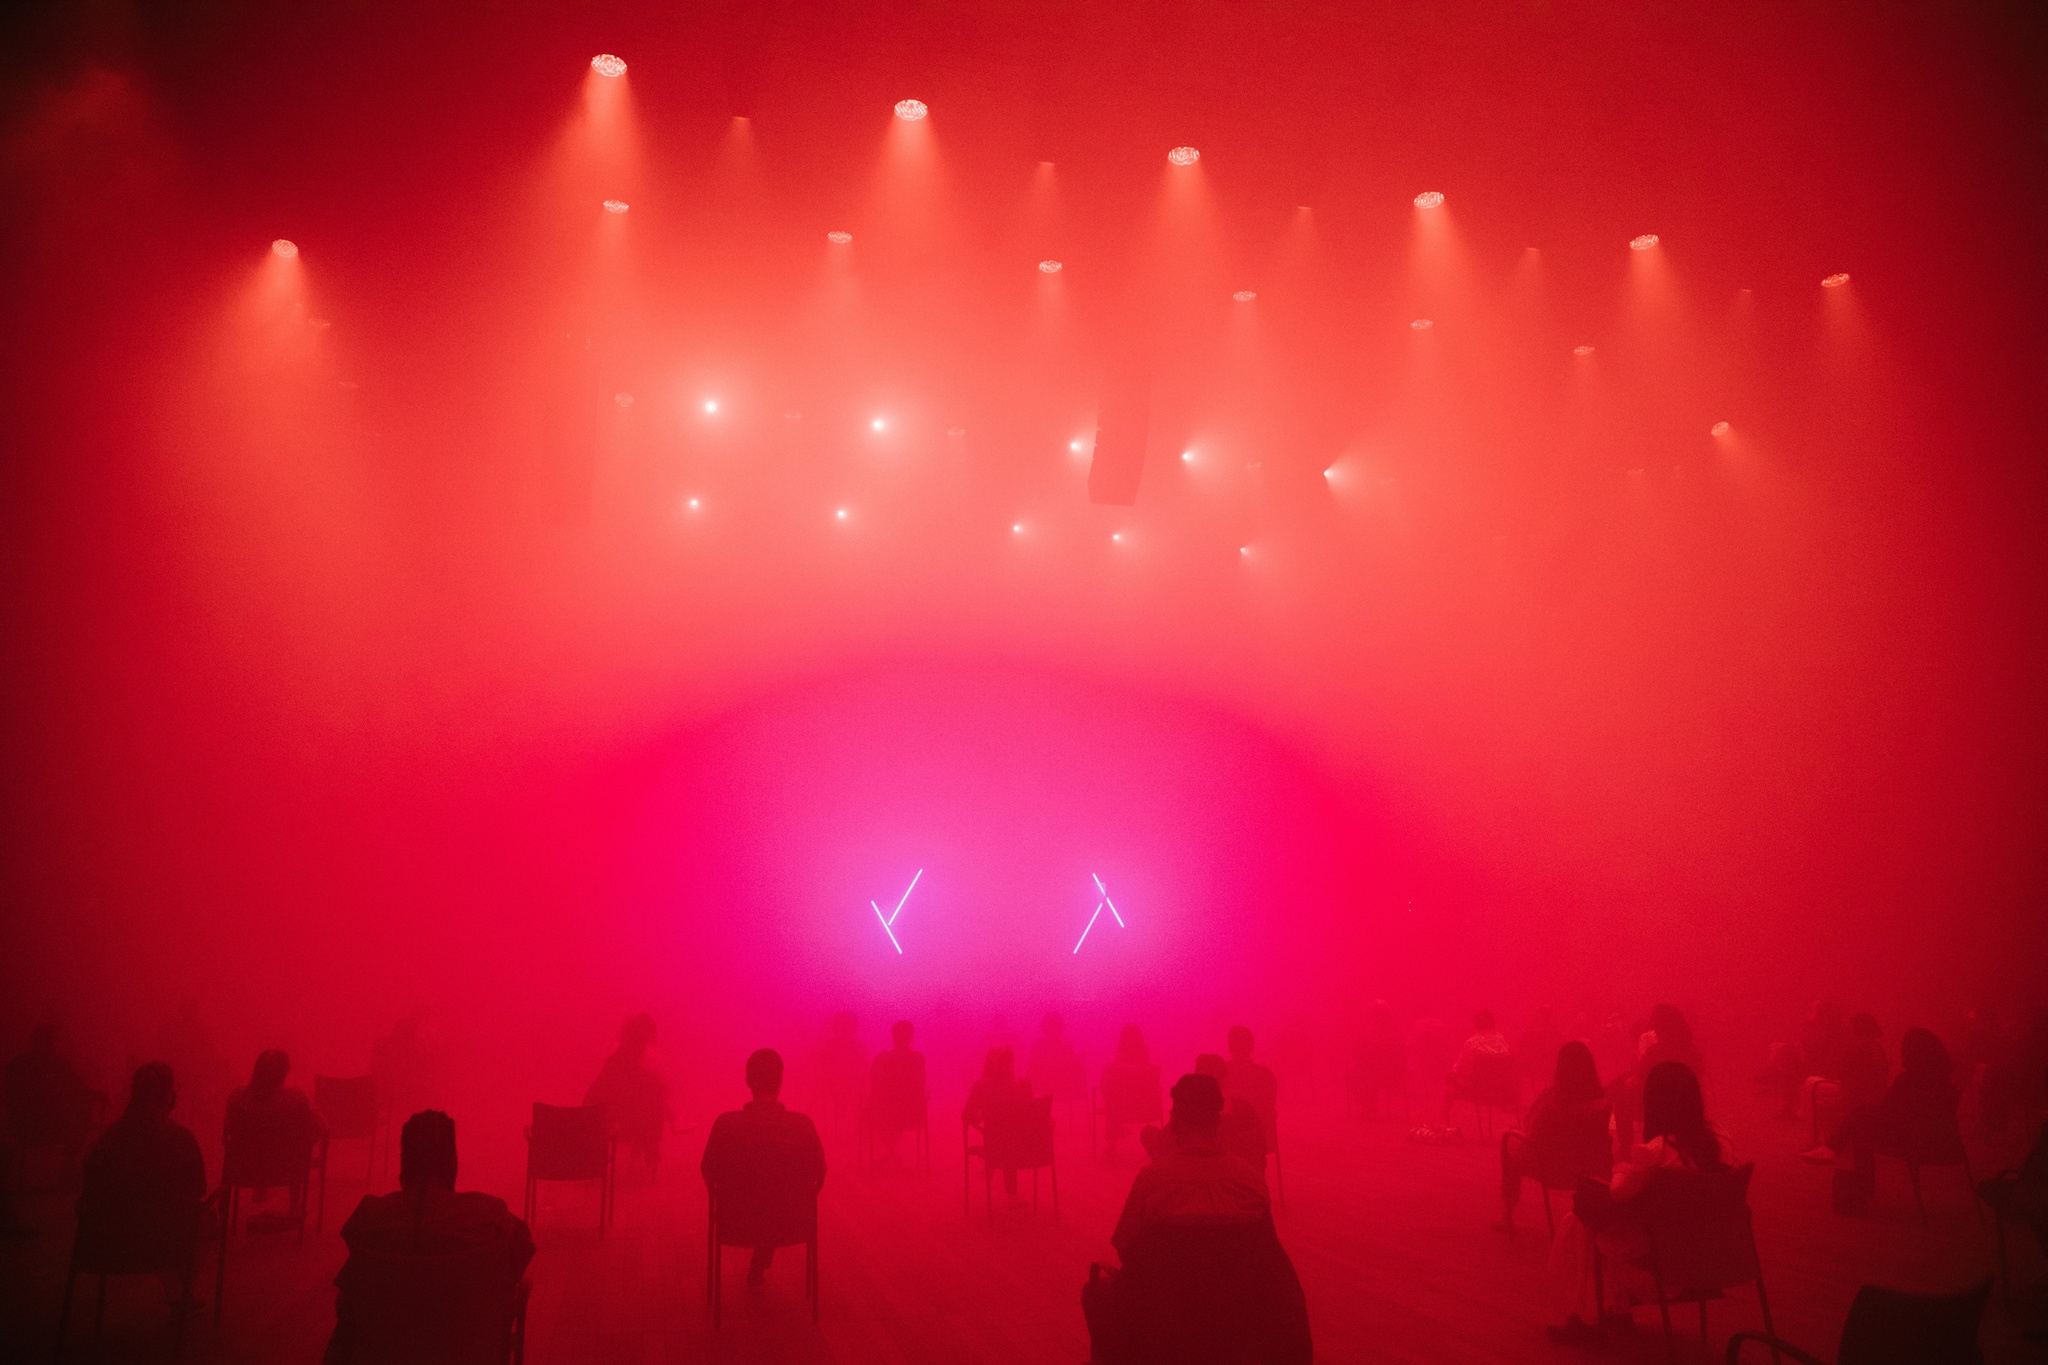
1940	1145
571	1143
456	1308
1581	1153
107	1245
1207	1291
1495	1082
1701	1243
1892	1327
754	1218
917	1122
348	1105
260	1161
1016	1135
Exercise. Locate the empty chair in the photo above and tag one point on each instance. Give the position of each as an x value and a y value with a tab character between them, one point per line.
1700	1241
1892	1327
1016	1135
571	1143
348	1106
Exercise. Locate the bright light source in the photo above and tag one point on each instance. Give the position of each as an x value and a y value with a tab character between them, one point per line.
1017	528
838	238
1642	243
1244	549
693	504
1245	295
841	514
616	206
605	64
1582	350
1330	473
910	111
624	400
1187	457
287	248
877	424
1073	445
1430	199
1050	267
711	405
1116	535
1834	281
1718	429
1422	324
1183	156
889	920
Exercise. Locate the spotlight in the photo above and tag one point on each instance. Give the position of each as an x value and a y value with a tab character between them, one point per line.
1187	457
624	400
616	206
1244	295
876	424
605	64
841	514
1074	445
1244	549
1582	350
693	504
1017	528
1184	156
1642	243
1430	199
1718	429
287	248
711	405
839	238
1834	281
1422	324
910	111
1116	535
1051	267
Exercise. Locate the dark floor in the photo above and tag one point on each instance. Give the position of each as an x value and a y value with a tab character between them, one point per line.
1392	1241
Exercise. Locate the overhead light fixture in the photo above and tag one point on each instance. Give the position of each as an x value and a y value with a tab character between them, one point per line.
1422	324
605	64
287	248
1183	156
1430	199
1642	243
910	111
1836	280
838	238
616	206
1245	295
1050	267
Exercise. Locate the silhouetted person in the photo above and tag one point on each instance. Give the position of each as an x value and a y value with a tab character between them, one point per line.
633	1092
1667	1038
897	1099
998	1084
2022	1195
1204	1279
47	1104
1130	1087
1564	1135
1379	1063
1676	1136
1479	1062
1240	1130
145	1183
1252	1083
270	1131
431	1275
764	1165
1917	1111
1861	1071
1055	1067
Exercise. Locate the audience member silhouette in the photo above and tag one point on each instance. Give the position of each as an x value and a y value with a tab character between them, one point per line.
764	1166
1204	1278
1676	1136
1055	1067
1563	1136
144	1185
2022	1195
404	1068
1667	1037
1130	1088
1476	1072
270	1132
1916	1113
897	1098
48	1105
1379	1064
1859	1076
1253	1084
432	1275
633	1092
1240	1130
998	1084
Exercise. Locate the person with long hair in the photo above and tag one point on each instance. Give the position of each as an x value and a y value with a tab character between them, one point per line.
1677	1136
1564	1138
1917	1111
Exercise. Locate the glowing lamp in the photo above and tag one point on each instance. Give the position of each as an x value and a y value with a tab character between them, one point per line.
1244	295
1422	324
616	206
605	64
693	504
711	405
1642	243
1050	267
876	424
1582	350
1834	281
1718	429
1183	156
1073	445
1430	199
624	400
287	248
1244	549
1187	457
1116	535
910	111
841	514
839	238
1017	528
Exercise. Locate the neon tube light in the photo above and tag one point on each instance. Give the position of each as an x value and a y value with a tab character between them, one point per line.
1084	933
1106	900
886	929
888	921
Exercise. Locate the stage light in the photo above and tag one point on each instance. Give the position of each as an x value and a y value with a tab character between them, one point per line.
1642	243
1184	156
624	400
287	248
1073	445
1091	924
1244	549
1050	267
956	432
1430	199
1187	457
1582	350
616	206
1107	901
889	920
605	64
877	424
1017	528
1718	429
841	514
1116	535
1422	324
711	405
1245	295
910	111
693	504
839	238
1834	281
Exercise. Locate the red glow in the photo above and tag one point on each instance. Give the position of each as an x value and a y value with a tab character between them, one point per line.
288	249
616	206
838	238
1429	199
1183	156
605	64
1642	243
1582	350
1050	267
1422	324
1244	295
910	111
1836	280
1718	429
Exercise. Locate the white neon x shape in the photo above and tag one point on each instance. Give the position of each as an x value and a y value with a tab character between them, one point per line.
889	920
1117	915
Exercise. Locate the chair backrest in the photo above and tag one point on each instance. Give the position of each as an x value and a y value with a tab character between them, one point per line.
268	1143
348	1103
1580	1147
763	1206
404	1309
1497	1079
1130	1094
1892	1327
1699	1229
1018	1134
569	1143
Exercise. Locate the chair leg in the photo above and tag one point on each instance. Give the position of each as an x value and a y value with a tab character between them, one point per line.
64	1313
1763	1303
1549	1219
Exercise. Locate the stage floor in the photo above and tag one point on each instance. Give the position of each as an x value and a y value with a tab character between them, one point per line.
1392	1241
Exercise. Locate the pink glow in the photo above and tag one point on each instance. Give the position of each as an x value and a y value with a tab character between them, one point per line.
1183	156
910	111
285	248
605	64
1643	242
1429	199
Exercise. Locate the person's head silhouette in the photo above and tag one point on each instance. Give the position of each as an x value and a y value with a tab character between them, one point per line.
764	1073
900	1033
1921	1054
1209	1064
1197	1106
1240	1040
637	1035
153	1093
1576	1078
426	1152
272	1066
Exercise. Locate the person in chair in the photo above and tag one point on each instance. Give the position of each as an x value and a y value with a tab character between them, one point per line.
764	1165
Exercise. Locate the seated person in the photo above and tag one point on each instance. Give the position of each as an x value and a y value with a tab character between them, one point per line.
1204	1277
998	1084
1917	1112
633	1092
1475	1074
145	1185
431	1275
1130	1088
47	1104
270	1132
1252	1083
1379	1064
764	1165
1239	1131
1055	1067
1667	1038
1676	1136
897	1098
1564	1137
2022	1195
1858	1077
